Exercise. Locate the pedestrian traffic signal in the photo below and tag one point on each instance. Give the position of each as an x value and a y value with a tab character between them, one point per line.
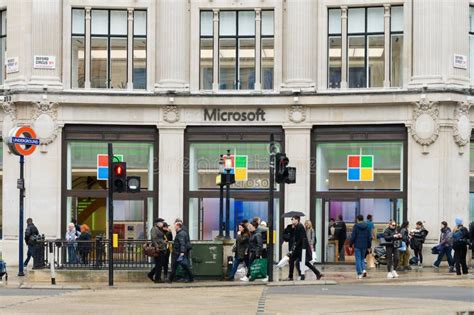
119	177
133	184
283	173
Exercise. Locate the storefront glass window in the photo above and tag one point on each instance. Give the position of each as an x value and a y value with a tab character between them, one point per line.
332	166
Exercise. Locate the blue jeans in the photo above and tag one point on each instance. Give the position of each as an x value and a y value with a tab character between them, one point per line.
445	251
359	256
71	252
236	264
30	253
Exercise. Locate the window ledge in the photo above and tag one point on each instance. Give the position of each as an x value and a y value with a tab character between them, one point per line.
235	92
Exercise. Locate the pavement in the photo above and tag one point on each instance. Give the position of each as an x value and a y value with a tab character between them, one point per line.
421	291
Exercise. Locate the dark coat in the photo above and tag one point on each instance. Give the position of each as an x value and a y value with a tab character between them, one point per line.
289	236
256	243
389	236
341	231
85	245
30	231
241	246
361	237
158	238
300	242
419	236
182	244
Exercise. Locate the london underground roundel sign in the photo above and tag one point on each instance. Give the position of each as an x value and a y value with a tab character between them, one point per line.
22	140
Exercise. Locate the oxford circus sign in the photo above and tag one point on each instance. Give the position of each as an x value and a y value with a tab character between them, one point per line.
217	114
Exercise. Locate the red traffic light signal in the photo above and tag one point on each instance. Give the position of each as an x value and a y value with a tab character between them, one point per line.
119	177
118	170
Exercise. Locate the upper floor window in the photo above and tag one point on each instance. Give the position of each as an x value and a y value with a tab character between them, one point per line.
3	43
366	47
244	56
99	51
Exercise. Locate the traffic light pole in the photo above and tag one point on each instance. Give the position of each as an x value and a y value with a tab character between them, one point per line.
21	186
111	215
270	210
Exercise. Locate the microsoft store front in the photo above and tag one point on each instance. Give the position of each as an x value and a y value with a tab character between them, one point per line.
357	170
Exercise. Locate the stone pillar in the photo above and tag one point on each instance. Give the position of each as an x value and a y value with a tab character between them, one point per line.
130	50
436	39
172	53
258	49
344	47
386	81
19	41
298	150
46	40
171	159
299	68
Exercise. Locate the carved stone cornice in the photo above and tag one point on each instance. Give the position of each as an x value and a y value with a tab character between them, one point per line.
425	124
462	125
297	113
171	114
9	109
44	120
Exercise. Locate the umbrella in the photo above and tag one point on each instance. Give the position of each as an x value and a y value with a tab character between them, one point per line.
292	214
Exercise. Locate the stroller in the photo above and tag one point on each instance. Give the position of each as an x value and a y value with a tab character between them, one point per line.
3	270
380	255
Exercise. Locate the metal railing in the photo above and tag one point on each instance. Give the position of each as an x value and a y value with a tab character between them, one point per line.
93	254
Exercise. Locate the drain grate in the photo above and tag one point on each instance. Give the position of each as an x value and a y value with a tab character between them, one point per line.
261	302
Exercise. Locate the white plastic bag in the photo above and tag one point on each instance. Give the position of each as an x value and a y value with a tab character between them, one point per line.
283	262
313	259
241	271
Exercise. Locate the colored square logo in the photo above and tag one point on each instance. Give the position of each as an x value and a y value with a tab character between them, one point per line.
102	160
367	174
240	174
353	161
367	161
353	174
241	161
103	165
102	173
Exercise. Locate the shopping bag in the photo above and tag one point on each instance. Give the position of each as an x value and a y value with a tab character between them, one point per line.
283	262
241	271
258	269
313	257
370	261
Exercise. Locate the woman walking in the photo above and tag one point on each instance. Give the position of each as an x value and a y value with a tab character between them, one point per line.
392	239
311	236
241	250
255	247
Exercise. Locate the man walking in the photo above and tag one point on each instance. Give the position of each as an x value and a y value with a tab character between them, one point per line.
361	238
31	234
158	241
445	247
460	238
180	256
300	243
341	236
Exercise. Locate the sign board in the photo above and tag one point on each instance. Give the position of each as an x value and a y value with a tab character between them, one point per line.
360	168
44	62
460	62
103	165
22	140
12	65
239	164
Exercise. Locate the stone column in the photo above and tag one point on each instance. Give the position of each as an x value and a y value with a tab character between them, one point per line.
299	45
298	150
87	57
258	49
215	55
19	41
344	47
130	50
436	39
172	53
171	159
386	81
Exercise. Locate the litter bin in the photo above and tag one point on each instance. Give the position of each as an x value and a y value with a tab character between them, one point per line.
206	259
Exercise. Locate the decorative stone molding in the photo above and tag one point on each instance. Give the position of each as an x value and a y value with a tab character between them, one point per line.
44	121
425	126
171	114
297	113
462	125
9	109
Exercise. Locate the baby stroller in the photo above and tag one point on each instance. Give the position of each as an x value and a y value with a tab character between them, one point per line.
380	255
3	270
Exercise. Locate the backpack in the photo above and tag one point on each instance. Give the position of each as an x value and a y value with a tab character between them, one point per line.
458	237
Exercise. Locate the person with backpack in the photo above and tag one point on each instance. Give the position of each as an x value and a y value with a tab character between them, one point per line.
31	238
340	236
182	247
361	239
157	235
445	247
460	240
418	239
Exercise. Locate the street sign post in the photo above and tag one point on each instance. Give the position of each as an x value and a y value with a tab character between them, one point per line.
22	141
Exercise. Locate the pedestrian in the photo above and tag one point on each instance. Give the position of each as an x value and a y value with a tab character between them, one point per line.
300	243
405	255
71	235
241	250
460	240
392	242
331	229
84	244
77	227
340	236
255	248
158	241
361	239
31	239
169	248
445	247
180	256
418	239
311	237
371	227
289	236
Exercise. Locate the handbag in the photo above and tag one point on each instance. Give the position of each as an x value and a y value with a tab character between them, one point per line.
403	247
150	250
435	250
258	269
283	262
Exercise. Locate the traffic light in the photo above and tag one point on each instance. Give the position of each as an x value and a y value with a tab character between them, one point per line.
283	173
119	177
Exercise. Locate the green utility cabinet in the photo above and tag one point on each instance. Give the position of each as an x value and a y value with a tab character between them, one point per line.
206	258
